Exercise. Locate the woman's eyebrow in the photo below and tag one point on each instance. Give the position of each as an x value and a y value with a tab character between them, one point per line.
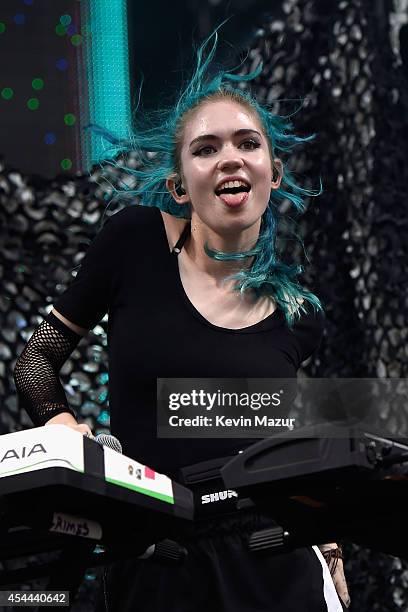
207	137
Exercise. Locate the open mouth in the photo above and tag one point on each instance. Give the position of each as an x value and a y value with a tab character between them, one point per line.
233	187
233	193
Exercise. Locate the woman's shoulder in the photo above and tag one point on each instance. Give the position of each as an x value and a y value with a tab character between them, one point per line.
145	223
133	214
134	223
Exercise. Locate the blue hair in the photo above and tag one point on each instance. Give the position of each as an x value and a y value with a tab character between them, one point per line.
156	141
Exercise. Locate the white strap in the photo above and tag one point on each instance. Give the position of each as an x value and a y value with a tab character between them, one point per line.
329	590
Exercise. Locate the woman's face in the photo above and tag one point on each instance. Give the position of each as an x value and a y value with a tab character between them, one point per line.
226	166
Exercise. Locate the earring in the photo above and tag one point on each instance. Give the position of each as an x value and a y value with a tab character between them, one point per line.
179	189
178	185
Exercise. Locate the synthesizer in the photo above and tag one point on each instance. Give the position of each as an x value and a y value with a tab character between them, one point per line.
57	485
323	489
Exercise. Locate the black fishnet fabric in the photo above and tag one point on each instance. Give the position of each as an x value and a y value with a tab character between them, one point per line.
39	389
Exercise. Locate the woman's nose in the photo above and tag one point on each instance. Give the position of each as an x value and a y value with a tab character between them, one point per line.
229	161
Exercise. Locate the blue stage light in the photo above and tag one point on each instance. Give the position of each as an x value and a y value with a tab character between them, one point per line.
106	78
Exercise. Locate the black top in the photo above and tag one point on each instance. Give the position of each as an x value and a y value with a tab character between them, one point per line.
155	331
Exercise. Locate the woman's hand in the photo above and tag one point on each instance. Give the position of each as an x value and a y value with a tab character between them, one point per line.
66	418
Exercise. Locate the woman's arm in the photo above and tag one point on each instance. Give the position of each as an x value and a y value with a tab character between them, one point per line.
81	331
333	555
36	373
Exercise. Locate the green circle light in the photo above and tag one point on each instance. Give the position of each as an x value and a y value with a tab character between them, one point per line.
69	119
76	40
2	27
60	30
66	164
37	83
7	93
65	20
33	103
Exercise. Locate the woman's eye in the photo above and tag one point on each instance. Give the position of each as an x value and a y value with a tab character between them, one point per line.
207	150
250	145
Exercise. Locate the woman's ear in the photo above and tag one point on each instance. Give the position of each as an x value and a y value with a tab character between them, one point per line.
277	173
176	188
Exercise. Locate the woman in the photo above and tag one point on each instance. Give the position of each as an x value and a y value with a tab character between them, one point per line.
193	288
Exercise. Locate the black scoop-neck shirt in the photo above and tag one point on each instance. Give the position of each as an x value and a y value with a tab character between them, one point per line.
154	331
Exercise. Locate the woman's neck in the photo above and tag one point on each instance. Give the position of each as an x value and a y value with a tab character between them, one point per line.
195	255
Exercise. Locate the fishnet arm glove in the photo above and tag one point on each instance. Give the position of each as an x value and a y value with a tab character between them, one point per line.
39	388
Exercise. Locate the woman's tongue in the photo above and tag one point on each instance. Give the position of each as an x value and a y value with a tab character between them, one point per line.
233	199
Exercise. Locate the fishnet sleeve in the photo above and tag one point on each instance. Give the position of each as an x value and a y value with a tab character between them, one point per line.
39	388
